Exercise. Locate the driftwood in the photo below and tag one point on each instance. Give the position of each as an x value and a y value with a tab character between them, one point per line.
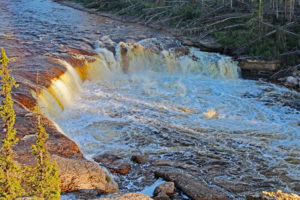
284	72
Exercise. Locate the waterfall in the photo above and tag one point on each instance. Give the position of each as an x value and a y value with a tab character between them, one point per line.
158	55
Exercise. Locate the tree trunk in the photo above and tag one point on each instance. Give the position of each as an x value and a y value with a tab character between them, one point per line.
160	2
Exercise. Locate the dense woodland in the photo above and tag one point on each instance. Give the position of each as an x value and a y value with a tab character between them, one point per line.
260	29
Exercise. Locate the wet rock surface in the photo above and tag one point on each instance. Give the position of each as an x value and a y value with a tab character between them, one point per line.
129	196
140	159
162	191
167	188
114	163
195	189
181	175
161	196
32	51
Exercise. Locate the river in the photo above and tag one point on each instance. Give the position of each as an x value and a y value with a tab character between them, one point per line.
195	113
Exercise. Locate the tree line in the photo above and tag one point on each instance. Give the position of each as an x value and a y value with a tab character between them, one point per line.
39	182
259	29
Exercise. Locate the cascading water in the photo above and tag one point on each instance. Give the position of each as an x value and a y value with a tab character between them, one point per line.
159	98
156	97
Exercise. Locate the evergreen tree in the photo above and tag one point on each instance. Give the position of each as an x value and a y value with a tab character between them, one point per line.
10	173
44	178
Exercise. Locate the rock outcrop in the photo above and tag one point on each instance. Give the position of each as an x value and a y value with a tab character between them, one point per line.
258	68
76	172
279	195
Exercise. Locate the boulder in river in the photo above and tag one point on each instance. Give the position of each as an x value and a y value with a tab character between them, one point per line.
195	189
129	196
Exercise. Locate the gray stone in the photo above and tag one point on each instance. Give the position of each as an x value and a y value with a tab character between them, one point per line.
195	189
167	188
141	159
292	81
162	196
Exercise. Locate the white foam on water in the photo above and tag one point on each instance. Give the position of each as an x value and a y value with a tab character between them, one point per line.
160	102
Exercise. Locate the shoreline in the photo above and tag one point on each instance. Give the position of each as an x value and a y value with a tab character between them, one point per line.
65	151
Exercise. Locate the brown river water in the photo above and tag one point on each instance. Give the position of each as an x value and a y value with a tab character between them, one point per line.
242	135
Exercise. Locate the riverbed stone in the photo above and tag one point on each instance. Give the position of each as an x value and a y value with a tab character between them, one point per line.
195	189
128	196
83	175
292	81
167	188
140	159
278	195
162	196
114	163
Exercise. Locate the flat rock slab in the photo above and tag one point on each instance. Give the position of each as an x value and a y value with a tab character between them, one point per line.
129	196
195	189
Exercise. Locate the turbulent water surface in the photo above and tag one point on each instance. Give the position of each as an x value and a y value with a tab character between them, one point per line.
190	116
196	113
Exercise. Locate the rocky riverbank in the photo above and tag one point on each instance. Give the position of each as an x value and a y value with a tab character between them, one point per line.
39	53
76	172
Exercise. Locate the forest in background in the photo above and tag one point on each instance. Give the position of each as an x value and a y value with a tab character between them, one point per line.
256	29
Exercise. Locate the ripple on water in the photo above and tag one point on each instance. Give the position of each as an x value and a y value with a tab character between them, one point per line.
165	115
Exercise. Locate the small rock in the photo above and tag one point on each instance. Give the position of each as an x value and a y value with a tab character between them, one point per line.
292	81
106	158
162	196
140	159
113	163
120	168
167	188
279	195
